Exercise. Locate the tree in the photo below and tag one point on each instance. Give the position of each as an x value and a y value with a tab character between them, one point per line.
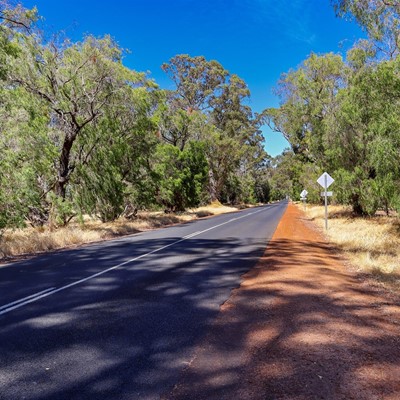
368	138
114	156
196	80
342	117
230	132
286	172
88	93
23	146
308	100
182	174
12	21
379	18
77	82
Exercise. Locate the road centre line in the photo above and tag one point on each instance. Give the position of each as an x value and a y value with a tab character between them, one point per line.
25	298
49	292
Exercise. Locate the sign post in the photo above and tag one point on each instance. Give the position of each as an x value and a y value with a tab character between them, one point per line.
303	198
325	180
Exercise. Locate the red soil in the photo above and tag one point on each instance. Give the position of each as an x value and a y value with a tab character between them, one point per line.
301	326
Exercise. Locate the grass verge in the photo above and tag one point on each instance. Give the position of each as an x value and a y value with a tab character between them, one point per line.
371	245
30	241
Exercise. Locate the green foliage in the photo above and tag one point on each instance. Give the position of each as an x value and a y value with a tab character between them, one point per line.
343	118
379	18
262	191
227	126
81	134
369	201
61	210
181	175
197	80
286	173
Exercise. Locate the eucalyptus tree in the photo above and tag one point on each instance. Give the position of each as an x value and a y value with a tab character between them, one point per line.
21	127
379	18
342	116
231	132
12	21
240	142
284	175
77	81
196	79
114	156
176	125
367	132
181	175
82	84
308	99
25	161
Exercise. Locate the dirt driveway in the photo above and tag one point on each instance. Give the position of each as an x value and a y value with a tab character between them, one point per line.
301	326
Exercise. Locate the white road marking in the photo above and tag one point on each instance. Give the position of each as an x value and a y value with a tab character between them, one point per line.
48	292
191	235
25	298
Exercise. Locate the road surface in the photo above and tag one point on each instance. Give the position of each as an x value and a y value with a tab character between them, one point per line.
120	319
302	325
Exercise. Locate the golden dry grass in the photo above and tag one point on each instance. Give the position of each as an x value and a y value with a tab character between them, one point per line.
36	240
372	245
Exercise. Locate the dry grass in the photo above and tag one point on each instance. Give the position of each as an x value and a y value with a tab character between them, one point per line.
37	240
372	245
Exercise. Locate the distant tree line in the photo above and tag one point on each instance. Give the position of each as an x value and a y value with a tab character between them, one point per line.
342	116
82	134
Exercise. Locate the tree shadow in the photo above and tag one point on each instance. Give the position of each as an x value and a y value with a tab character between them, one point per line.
126	334
309	338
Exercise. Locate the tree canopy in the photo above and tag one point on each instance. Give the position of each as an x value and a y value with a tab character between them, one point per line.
341	114
82	134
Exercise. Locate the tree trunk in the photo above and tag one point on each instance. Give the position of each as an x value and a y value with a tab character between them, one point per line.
212	186
357	208
64	168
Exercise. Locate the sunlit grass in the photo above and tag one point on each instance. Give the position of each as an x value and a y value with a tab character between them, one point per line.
36	240
372	245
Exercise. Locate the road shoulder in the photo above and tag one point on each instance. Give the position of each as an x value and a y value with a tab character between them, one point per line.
301	326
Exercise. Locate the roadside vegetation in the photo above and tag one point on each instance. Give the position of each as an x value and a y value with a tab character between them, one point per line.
370	244
84	138
33	240
83	135
339	114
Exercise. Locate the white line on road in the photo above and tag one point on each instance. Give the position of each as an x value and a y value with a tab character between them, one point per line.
48	292
25	298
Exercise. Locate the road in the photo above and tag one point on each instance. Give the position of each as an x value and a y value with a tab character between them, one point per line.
120	319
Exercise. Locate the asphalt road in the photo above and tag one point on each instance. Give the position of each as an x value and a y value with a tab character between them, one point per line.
120	319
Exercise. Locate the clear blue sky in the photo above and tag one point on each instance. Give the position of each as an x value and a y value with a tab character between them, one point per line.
255	39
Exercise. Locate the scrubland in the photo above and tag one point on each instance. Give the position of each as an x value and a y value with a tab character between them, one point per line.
29	241
370	244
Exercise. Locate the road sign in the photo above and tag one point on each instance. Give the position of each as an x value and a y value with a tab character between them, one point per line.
303	197
325	180
304	193
325	183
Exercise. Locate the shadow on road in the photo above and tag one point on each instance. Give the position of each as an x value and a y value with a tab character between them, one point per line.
126	334
299	328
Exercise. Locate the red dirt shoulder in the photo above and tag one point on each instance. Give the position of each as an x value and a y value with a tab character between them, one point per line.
301	326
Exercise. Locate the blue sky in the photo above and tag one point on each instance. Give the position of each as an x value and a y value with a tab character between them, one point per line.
255	39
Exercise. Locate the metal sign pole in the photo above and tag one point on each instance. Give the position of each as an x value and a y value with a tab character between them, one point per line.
303	198
326	202
325	180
